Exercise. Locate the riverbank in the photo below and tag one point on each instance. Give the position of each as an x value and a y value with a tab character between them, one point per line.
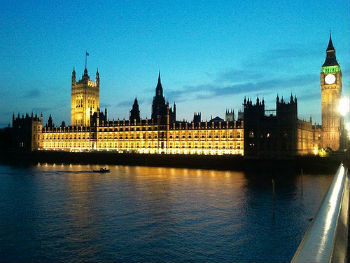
309	164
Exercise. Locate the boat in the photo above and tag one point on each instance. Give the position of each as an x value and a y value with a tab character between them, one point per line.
101	170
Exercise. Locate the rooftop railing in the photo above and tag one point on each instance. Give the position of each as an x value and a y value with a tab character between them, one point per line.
326	240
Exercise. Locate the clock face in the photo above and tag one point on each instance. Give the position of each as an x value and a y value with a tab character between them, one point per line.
329	79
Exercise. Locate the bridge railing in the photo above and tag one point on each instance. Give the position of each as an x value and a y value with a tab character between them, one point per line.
326	240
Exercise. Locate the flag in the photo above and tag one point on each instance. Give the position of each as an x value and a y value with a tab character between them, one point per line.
87	53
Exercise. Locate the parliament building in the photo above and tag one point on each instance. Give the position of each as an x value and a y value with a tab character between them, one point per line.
253	133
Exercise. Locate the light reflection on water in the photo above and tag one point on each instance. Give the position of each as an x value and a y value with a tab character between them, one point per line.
67	213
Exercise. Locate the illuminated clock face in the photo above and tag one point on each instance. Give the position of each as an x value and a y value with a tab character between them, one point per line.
330	79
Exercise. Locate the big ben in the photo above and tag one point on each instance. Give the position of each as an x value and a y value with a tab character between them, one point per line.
331	88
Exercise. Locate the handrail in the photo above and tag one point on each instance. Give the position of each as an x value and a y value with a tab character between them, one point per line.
326	240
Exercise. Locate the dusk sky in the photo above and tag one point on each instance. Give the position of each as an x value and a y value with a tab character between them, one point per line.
211	54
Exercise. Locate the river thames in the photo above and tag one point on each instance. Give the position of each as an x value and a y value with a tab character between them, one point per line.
66	213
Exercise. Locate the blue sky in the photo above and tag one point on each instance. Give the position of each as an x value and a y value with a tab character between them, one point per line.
210	53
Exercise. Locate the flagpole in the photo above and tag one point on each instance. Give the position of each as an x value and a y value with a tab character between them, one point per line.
85	59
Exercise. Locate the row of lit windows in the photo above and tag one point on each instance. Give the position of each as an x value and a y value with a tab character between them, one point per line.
133	136
66	145
132	146
68	136
210	135
142	145
155	128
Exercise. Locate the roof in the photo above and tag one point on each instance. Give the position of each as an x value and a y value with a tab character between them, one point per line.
331	59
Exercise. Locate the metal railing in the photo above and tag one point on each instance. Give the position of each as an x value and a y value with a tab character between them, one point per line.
326	240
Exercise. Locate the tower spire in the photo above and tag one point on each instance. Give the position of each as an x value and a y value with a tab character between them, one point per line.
159	88
331	59
330	43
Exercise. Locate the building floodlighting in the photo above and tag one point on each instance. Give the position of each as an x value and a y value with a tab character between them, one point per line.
343	106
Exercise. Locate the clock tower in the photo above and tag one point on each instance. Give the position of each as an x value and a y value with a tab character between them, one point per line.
331	87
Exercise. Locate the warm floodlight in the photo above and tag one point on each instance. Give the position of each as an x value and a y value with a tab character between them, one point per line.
343	106
347	128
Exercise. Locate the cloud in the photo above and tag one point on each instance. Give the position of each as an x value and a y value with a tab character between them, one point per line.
33	93
310	96
129	103
238	75
42	109
275	58
105	105
125	103
206	91
257	76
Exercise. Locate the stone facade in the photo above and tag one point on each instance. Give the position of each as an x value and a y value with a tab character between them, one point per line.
255	133
331	88
85	98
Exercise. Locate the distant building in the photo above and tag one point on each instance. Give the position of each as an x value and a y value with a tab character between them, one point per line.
160	134
278	135
230	115
27	132
255	133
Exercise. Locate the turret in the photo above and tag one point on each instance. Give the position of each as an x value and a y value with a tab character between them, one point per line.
73	76
159	88
197	117
159	110
50	122
85	76
135	112
97	79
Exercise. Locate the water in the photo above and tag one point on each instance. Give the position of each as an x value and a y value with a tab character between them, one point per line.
56	213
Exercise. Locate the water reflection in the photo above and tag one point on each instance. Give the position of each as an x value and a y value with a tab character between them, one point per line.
157	214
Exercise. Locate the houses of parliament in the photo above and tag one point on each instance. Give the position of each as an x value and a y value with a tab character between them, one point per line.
250	133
